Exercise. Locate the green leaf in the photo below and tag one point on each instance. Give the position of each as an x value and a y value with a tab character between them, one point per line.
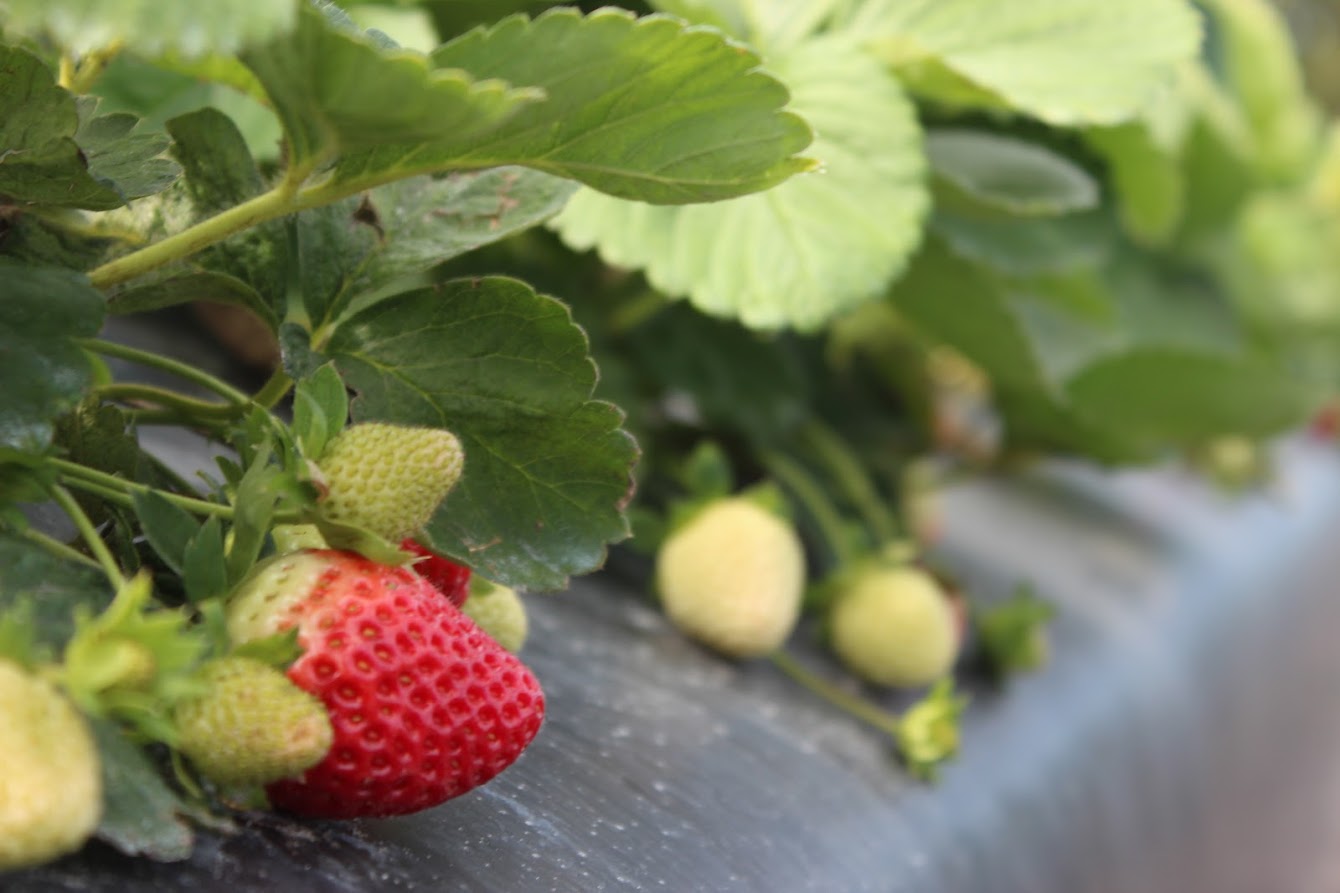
131	162
805	251
337	89
54	588
1028	246
357	246
769	25
141	814
547	469
1009	174
44	372
320	410
220	174
40	162
639	108
150	26
1066	62
204	568
168	290
168	528
1185	395
1146	179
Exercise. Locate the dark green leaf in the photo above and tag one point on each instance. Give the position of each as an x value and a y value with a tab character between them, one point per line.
639	108
131	162
40	161
1027	246
168	528
42	371
356	246
320	410
141	814
204	570
338	90
1008	173
546	469
53	587
155	293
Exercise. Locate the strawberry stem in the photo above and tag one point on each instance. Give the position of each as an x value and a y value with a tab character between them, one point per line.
59	549
811	496
857	706
167	364
126	391
86	529
849	474
273	390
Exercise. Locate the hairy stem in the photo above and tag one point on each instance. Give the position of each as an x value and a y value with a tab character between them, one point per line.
273	390
189	406
86	529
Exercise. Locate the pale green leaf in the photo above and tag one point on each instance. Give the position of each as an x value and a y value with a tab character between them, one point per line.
1066	62
803	252
641	108
152	26
336	89
771	26
131	162
547	469
1009	174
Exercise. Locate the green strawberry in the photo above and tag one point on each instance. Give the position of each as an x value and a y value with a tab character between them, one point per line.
895	626
389	479
732	578
51	781
251	725
498	611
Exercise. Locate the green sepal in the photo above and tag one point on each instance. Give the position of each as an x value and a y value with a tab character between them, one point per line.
18	637
133	661
204	569
277	651
1012	635
706	472
353	538
927	733
320	410
168	528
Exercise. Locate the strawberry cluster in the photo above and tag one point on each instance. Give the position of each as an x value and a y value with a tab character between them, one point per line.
398	700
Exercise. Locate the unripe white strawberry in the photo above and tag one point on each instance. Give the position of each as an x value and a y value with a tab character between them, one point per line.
389	479
51	777
251	725
895	626
498	611
732	578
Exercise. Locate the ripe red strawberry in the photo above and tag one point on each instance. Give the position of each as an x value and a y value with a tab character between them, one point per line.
450	578
424	705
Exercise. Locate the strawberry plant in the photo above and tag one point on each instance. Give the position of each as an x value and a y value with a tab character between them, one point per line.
278	158
779	269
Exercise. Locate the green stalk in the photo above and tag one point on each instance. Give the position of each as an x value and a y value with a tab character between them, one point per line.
273	390
120	490
266	206
850	475
858	707
90	534
811	496
169	399
59	549
182	370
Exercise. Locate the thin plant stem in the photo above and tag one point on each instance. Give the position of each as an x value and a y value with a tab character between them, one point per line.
167	364
170	399
59	549
120	490
816	503
858	707
830	449
90	534
273	390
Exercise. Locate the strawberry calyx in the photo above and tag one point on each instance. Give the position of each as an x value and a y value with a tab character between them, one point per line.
928	732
